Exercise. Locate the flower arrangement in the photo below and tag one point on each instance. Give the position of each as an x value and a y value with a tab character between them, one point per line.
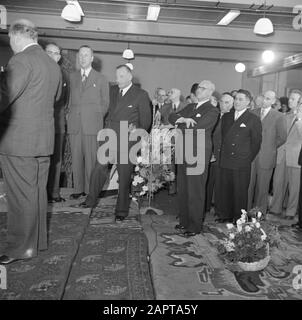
247	242
154	166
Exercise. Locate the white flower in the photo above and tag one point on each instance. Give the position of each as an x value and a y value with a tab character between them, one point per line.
229	226
136	168
243	212
139	159
259	214
254	220
239	227
247	228
145	188
232	236
263	237
257	225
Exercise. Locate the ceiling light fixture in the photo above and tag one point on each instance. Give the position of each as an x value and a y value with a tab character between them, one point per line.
128	53
229	17
264	26
72	11
153	12
268	56
240	67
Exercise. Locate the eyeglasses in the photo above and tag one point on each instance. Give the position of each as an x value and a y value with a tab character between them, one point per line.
203	88
52	52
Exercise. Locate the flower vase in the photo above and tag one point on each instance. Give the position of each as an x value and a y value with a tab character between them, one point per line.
257	265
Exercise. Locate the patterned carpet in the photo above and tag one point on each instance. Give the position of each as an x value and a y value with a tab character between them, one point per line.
89	257
218	280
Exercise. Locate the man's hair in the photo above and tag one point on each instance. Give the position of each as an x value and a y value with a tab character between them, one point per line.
296	91
86	46
246	93
194	88
25	28
53	44
227	94
124	66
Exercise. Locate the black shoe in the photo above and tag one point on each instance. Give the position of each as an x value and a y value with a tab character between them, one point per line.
296	225
179	227
188	234
119	218
84	205
288	218
7	260
77	195
57	199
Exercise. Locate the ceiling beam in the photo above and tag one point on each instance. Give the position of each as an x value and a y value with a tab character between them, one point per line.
294	61
158	29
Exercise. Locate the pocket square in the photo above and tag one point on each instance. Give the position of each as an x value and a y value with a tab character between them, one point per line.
94	85
242	125
198	115
130	106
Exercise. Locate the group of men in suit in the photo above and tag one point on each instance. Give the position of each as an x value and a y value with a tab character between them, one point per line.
248	146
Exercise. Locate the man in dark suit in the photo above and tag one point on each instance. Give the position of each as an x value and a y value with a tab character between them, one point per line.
88	104
191	186
33	85
160	97
53	184
127	103
213	184
274	135
241	139
299	211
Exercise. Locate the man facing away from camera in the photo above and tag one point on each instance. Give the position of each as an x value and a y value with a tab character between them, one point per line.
33	84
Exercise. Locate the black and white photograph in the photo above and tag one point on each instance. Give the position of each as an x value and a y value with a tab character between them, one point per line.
150	153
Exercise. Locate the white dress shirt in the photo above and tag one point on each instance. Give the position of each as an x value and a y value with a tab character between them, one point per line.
239	113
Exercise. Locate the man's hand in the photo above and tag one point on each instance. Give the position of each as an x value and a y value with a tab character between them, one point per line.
188	121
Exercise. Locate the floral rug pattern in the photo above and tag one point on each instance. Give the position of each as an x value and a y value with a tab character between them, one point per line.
89	257
220	280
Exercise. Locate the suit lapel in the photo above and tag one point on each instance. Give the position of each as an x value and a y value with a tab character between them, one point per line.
235	125
90	80
121	102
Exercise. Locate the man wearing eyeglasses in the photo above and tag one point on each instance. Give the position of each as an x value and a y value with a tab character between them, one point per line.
191	187
53	184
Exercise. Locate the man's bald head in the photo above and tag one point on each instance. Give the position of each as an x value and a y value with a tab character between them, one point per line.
21	33
269	98
205	90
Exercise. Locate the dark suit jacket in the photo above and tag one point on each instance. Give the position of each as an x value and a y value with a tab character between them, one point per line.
33	84
88	103
206	117
59	107
167	109
274	135
241	140
300	158
133	107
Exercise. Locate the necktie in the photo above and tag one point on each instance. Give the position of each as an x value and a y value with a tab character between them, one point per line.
84	77
174	107
262	114
236	115
121	92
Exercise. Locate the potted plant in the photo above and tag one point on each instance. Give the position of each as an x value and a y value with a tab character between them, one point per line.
248	244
